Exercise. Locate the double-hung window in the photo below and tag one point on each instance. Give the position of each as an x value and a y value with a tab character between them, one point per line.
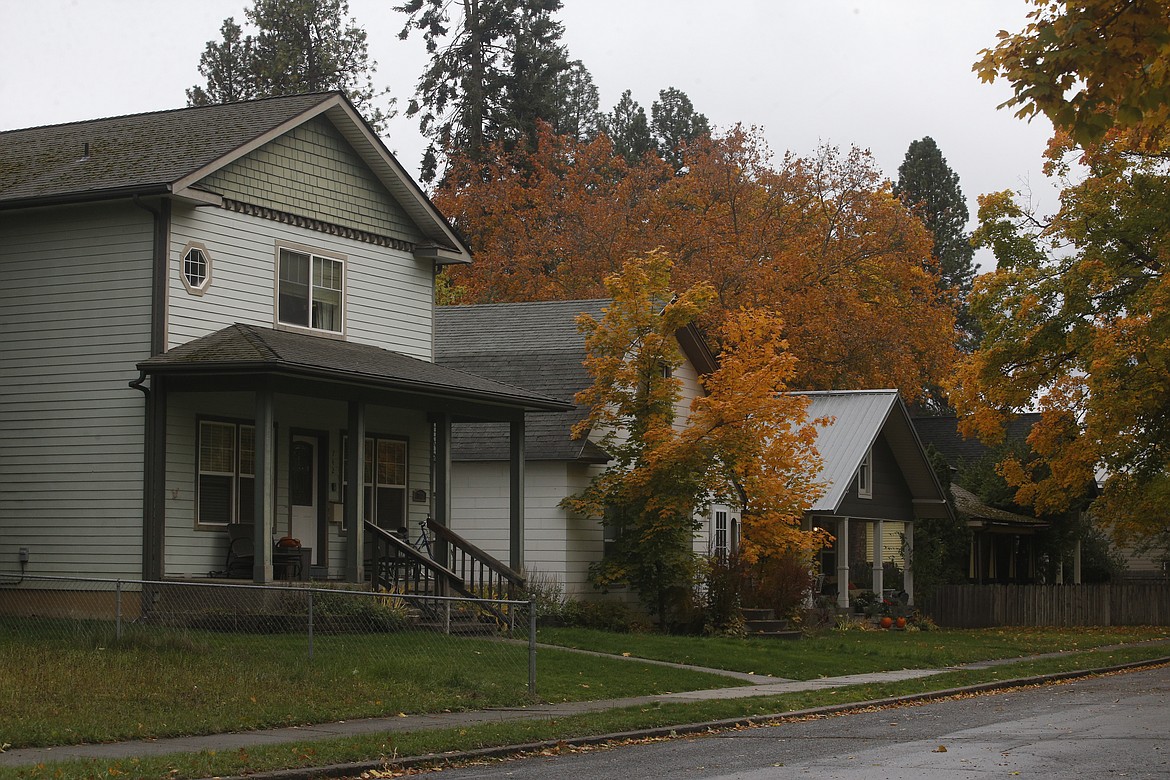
720	542
310	290
384	481
226	472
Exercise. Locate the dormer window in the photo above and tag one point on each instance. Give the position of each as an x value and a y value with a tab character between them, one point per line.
310	290
865	476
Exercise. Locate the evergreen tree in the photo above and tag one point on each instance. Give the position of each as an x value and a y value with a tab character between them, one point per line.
928	185
227	66
299	46
496	70
628	129
675	123
579	117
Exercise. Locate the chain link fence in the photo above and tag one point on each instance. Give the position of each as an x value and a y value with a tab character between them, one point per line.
480	651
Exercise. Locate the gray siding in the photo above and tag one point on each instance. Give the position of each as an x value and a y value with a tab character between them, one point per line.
311	171
891	497
75	321
388	299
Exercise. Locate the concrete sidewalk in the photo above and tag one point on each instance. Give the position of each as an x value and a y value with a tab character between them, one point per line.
761	686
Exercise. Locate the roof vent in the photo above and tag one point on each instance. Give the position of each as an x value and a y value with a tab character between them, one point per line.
85	152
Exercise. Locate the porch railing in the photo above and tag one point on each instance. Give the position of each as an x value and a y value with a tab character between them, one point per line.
397	567
480	574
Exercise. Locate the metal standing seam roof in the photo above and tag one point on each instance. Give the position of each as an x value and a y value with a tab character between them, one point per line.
248	348
859	418
166	152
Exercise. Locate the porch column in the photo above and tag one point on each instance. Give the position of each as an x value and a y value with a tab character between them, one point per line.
441	469
878	569
154	481
355	474
265	481
908	563
843	563
516	495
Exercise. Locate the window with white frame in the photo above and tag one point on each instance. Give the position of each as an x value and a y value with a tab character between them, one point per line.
720	546
384	481
865	476
310	290
195	269
225	472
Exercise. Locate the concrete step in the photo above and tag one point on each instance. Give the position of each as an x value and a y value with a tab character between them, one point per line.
788	634
764	626
757	614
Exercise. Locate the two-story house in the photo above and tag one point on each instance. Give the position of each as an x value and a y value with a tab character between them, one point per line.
223	316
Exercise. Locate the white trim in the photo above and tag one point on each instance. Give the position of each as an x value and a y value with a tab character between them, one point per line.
202	287
865	475
313	255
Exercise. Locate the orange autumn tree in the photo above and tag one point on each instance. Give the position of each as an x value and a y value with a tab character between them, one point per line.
744	442
821	239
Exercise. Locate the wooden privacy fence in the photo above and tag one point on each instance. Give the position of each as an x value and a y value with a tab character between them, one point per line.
983	606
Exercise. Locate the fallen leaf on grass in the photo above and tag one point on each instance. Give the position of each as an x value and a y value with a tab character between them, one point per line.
940	749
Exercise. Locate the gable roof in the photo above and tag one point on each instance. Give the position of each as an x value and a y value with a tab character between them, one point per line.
533	345
168	152
859	418
250	349
943	434
536	345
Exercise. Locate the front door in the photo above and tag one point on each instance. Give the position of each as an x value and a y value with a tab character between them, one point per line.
302	489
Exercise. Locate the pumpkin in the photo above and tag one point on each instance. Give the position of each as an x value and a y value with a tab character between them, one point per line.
887	622
900	622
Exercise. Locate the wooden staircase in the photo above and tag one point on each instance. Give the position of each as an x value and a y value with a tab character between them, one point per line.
458	568
763	623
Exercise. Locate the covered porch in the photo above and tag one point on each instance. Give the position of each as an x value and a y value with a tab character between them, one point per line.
295	436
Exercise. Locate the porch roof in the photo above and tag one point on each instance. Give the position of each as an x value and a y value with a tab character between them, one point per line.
250	350
980	515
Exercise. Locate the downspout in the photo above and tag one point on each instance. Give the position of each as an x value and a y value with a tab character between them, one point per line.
154	423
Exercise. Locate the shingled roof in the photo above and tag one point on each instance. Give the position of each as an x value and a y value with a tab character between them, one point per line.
248	349
942	433
168	152
532	345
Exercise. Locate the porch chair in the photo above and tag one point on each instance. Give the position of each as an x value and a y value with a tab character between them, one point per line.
241	553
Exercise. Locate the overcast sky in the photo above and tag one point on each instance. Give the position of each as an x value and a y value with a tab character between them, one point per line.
877	74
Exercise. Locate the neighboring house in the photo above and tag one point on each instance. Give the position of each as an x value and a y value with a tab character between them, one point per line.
878	481
223	315
1004	544
539	347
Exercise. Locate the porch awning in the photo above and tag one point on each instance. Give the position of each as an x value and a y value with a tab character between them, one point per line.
243	355
981	516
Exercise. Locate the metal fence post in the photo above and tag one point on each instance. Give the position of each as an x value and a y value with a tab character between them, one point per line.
532	647
310	625
118	611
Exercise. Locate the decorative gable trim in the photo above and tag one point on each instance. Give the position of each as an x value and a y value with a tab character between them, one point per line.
317	225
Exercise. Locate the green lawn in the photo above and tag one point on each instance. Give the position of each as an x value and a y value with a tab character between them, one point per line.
835	653
61	689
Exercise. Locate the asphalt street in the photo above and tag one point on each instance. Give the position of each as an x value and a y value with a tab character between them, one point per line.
1111	726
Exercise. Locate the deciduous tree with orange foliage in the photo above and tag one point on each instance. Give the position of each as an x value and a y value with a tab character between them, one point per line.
821	240
1077	315
745	442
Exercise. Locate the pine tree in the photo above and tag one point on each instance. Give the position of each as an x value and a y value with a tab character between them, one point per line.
675	123
496	70
628	129
927	185
299	46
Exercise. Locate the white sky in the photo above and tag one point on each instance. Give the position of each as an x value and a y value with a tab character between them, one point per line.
873	73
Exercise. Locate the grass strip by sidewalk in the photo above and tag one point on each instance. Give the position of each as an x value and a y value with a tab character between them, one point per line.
835	653
376	748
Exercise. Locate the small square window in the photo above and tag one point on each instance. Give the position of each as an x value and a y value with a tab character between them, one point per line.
195	269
